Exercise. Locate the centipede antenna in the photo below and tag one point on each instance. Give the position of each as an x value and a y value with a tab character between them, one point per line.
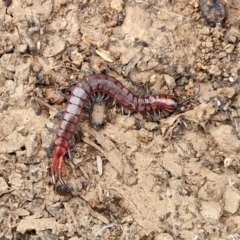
189	98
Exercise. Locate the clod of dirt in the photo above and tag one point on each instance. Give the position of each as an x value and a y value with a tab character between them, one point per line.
233	225
117	5
211	210
214	70
8	2
231	200
15	179
6	45
213	11
3	186
22	72
170	81
99	115
144	135
32	144
40	225
163	236
12	143
221	135
227	92
55	46
211	191
200	115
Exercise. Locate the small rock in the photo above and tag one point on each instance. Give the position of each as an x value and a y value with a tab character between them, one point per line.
22	48
151	126
211	210
210	191
56	45
40	225
231	79
32	144
233	225
227	92
77	57
213	11
3	186
117	5
214	70
221	135
232	39
152	79
229	48
144	135
6	45
205	31
231	199
15	179
170	81
209	44
12	143
127	219
163	236
22	73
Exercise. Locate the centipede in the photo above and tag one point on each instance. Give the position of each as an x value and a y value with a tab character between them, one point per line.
78	100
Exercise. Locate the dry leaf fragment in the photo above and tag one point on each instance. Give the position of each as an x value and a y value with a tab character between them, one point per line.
104	54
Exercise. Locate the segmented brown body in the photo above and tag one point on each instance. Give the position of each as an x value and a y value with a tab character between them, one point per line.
79	99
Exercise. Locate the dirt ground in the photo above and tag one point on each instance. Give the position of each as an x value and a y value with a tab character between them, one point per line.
176	177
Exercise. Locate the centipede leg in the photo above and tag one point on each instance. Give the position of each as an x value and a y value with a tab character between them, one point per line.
63	189
54	172
59	114
60	168
106	97
49	129
70	157
50	149
62	91
122	110
113	104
